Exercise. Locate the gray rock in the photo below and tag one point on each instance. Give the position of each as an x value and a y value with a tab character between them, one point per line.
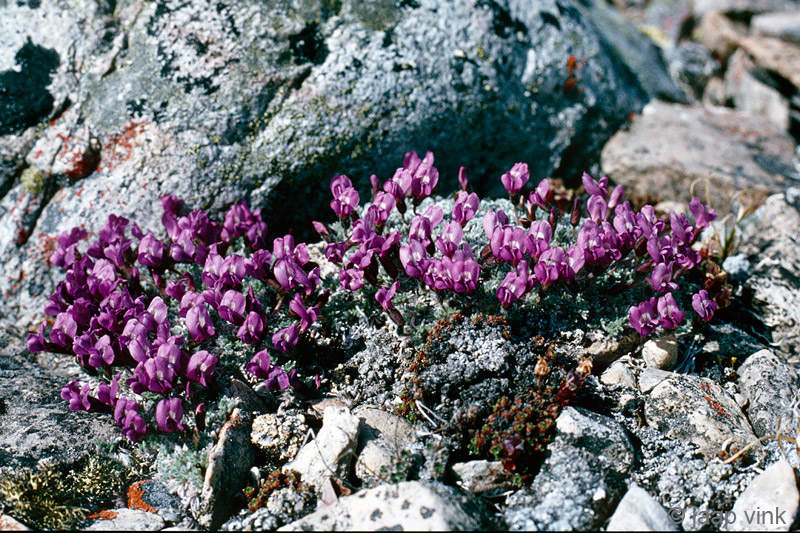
155	495
283	506
691	65
770	386
619	373
279	436
771	242
331	452
483	476
701	7
382	437
8	523
731	150
229	464
747	87
35	423
215	102
650	377
581	479
407	506
638	511
784	26
699	411
661	353
775	55
770	502
129	520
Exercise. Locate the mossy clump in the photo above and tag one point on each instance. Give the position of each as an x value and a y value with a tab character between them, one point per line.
60	496
257	496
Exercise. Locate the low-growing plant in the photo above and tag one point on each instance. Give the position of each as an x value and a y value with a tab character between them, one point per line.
539	247
152	322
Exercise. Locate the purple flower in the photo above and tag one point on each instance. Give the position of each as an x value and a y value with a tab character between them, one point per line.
306	316
66	253
462	179
703	215
151	251
345	197
509	244
643	317
617	195
77	397
64	329
452	234
259	365
595	188
252	330
465	207
126	414
464	271
176	289
649	222
682	231
107	394
425	176
384	296
703	305
232	307
334	252
277	379
597	207
553	265
286	339
539	235
516	178
492	221
155	374
383	204
414	258
169	413
542	194
513	285
399	185
670	316
661	278
625	224
258	264
351	279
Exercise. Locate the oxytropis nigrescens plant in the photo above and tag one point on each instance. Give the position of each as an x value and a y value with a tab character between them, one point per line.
431	250
143	317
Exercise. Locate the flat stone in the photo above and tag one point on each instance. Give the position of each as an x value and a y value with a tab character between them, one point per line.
769	503
407	506
129	520
719	34
483	476
769	385
382	437
331	452
229	464
650	377
776	55
606	350
8	523
618	373
668	147
753	96
783	25
639	511
581	479
661	353
700	411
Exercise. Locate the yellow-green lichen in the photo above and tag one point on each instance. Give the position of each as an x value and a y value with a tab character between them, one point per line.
33	180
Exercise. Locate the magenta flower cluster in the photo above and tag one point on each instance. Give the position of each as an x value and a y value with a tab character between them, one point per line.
433	251
112	311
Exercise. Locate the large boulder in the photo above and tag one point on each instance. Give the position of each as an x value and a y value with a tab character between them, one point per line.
214	101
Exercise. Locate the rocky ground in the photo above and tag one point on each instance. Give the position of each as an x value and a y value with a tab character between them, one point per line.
107	106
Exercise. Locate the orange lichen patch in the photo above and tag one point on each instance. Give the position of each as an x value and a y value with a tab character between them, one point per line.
136	498
78	156
106	514
119	147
